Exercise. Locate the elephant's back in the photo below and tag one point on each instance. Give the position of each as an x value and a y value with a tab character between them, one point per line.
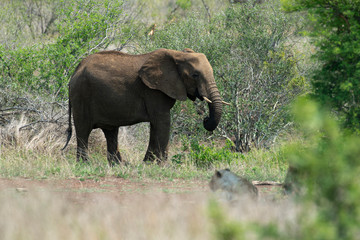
109	79
112	63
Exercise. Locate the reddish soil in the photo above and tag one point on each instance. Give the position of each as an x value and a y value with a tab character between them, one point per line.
81	191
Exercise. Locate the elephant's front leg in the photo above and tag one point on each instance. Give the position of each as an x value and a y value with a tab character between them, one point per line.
113	154
159	138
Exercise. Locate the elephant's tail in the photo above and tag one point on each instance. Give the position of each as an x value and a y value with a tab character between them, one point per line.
69	130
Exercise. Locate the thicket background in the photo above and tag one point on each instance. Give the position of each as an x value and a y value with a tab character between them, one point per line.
254	48
265	54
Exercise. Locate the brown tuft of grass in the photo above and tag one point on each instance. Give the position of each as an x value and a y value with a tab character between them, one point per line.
44	138
49	138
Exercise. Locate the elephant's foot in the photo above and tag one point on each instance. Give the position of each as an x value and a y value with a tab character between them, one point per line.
150	157
114	159
81	156
83	160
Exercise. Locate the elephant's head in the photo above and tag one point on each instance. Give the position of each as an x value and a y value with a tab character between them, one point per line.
184	74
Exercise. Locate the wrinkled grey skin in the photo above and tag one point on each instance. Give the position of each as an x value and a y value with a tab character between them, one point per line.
111	89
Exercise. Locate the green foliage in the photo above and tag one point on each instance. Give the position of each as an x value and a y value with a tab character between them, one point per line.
261	76
18	67
224	228
81	28
254	66
326	169
336	33
184	4
260	165
207	156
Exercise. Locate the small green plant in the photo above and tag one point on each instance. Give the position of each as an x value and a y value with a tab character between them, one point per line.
207	156
184	4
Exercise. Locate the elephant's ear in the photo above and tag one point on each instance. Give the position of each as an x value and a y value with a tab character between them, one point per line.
160	72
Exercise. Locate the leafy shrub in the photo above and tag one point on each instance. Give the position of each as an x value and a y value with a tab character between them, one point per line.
336	34
81	27
205	156
260	74
327	168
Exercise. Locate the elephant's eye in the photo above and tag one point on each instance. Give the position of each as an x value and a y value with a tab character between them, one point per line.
195	75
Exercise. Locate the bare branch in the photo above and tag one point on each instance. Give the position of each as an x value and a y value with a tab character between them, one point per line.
207	10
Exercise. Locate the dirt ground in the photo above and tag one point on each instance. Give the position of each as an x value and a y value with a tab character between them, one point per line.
117	208
82	191
86	190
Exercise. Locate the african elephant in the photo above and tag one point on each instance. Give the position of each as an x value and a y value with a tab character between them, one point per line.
111	89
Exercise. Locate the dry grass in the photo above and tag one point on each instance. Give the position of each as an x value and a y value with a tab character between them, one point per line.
49	215
45	138
49	138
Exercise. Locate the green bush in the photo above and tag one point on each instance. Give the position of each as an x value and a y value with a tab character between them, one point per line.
260	75
205	156
326	170
336	34
81	27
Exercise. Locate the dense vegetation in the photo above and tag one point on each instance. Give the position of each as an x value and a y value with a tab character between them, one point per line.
265	54
335	33
250	47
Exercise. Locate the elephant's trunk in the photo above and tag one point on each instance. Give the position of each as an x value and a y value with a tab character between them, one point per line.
215	108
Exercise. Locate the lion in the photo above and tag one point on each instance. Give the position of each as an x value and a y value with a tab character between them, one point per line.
232	185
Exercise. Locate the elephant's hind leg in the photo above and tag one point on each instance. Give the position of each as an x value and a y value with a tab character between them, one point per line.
82	146
82	137
113	154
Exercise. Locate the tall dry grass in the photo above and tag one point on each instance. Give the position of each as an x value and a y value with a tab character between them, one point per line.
50	215
50	138
36	151
35	123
